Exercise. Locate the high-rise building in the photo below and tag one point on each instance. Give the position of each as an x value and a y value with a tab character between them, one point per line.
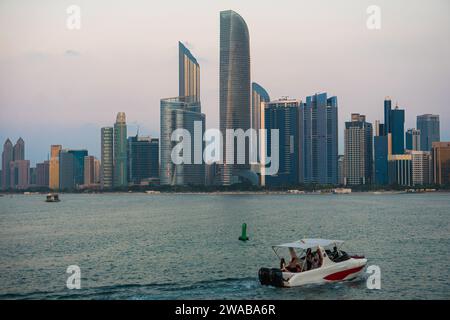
53	182
71	168
341	180
7	157
358	151
428	124
107	157
189	74
143	159
387	114
441	162
19	174
400	169
43	174
120	151
397	127
320	139
413	139
381	159
421	167
259	95
91	171
234	92
285	115
19	150
182	113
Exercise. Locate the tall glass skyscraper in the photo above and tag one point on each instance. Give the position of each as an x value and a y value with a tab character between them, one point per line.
397	129
7	158
143	159
120	151
107	150
358	151
412	138
189	74
181	113
234	90
321	139
286	115
71	168
428	124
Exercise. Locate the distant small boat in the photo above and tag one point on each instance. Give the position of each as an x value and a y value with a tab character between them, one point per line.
52	197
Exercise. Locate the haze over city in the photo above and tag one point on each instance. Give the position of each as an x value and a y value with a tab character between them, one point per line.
59	86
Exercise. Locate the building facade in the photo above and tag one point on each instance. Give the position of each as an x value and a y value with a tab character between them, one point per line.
19	174
358	146
54	167
412	139
143	159
182	113
71	168
234	90
107	157
441	162
320	139
428	124
400	169
7	158
120	151
421	167
189	74
285	115
43	174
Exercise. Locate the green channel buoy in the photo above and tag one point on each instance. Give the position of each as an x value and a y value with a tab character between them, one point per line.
243	236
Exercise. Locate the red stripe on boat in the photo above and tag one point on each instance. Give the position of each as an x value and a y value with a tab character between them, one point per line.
342	274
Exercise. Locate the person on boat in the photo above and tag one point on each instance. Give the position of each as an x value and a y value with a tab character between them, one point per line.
317	259
283	265
308	259
334	254
294	265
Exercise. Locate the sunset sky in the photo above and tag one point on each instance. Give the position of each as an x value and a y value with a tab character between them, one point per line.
60	86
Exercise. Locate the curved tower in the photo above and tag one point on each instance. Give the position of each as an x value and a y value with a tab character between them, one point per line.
234	96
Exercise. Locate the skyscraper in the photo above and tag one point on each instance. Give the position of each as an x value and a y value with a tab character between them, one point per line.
107	151
412	139
259	95
120	151
143	159
42	174
381	153
7	157
286	115
54	167
387	114
421	167
320	139
19	150
397	130
358	151
441	162
189	74
71	168
400	169
182	113
428	124
19	174
234	90
91	171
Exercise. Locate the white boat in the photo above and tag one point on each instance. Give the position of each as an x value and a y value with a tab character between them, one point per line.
52	197
312	261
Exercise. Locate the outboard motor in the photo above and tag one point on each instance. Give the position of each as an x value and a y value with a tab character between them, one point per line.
271	277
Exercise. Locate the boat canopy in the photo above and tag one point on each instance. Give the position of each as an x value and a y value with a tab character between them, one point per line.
309	243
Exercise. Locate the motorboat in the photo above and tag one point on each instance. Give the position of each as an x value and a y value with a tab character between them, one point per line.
52	197
312	261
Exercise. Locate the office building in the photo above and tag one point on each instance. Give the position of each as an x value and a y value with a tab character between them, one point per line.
182	113
19	174
428	124
413	139
107	157
358	155
234	92
421	167
71	168
143	159
54	167
400	169
285	115
43	174
394	124
320	139
441	162
91	172
7	158
120	151
189	74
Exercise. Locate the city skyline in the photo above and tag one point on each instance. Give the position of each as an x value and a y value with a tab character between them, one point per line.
80	78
